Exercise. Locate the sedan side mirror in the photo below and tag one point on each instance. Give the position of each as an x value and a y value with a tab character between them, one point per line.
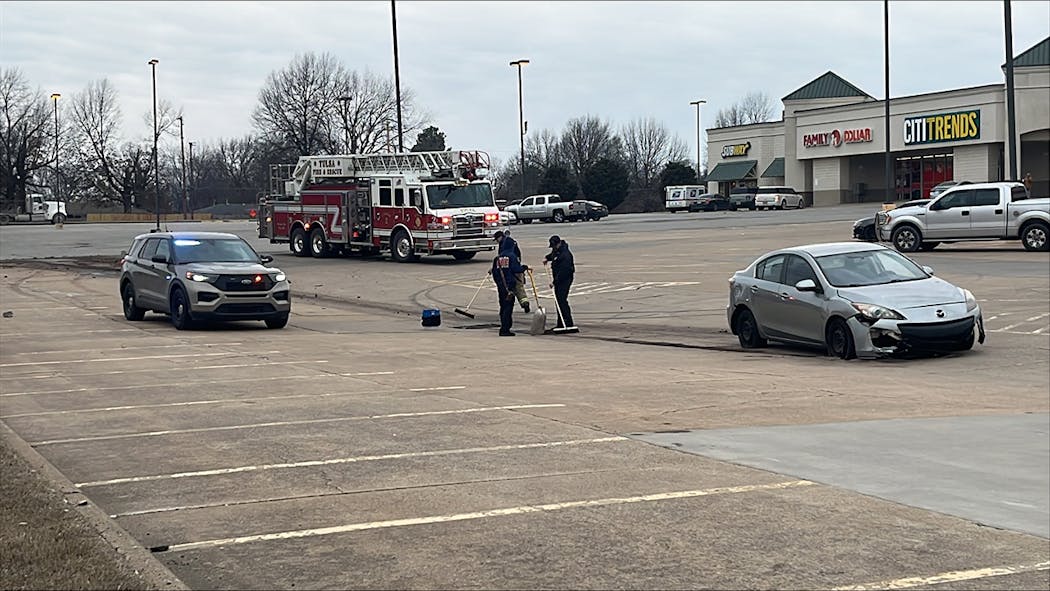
927	270
807	285
266	259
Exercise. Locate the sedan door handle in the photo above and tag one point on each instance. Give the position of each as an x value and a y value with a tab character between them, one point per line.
785	295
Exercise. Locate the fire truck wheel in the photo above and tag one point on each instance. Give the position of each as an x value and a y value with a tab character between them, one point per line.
298	243
463	256
401	247
318	245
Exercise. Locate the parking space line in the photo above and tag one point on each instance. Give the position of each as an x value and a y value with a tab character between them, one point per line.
521	510
286	423
367	373
168	384
351	460
436	388
68	332
156	369
28	363
949	577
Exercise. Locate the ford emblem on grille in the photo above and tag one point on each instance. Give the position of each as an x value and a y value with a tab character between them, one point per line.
940	313
249	282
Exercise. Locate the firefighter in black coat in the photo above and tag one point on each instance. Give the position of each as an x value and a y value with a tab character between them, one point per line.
563	269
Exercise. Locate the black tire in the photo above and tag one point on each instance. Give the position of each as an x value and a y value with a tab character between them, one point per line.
802	203
967	343
131	311
906	238
928	246
751	208
58	218
526	220
401	247
839	339
1035	237
299	244
747	331
732	208
181	318
279	322
318	245
558	216
460	255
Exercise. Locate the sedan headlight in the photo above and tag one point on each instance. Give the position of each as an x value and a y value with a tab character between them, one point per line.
280	277
200	277
874	312
971	302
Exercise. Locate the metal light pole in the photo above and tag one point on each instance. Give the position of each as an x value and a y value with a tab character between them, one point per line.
521	122
890	187
698	103
156	166
182	167
191	167
57	188
1011	115
397	78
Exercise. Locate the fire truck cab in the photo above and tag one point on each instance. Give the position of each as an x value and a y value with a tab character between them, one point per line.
409	204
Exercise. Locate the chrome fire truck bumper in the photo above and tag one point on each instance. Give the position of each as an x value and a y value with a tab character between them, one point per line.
461	244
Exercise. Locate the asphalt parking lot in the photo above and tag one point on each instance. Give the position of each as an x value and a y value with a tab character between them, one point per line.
356	449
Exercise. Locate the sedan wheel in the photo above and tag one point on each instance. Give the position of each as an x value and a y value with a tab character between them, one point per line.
840	340
747	331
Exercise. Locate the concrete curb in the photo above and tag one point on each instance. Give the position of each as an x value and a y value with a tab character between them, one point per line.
138	558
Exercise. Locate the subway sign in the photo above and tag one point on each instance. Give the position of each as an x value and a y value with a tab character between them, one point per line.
736	150
945	127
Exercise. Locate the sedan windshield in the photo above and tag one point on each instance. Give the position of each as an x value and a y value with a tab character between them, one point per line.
214	250
473	195
869	267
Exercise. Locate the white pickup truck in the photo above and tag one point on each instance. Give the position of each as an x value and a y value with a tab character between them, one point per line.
549	207
980	211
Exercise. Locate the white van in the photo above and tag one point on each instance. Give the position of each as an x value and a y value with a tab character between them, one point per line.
680	197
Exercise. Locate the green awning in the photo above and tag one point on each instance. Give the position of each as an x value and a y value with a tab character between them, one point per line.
733	171
775	168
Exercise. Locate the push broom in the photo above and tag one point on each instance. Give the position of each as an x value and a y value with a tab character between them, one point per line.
466	311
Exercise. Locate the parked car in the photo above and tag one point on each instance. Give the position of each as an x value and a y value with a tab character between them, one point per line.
779	198
197	276
854	300
507	218
742	198
937	190
548	207
977	211
864	228
710	202
596	211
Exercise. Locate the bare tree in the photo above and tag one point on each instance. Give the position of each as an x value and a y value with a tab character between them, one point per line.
366	114
24	136
729	117
587	140
543	150
238	160
648	146
167	117
298	104
754	107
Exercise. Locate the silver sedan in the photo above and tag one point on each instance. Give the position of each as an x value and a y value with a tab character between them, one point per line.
857	300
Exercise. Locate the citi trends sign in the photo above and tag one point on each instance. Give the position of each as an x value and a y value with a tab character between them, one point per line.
945	127
837	137
735	150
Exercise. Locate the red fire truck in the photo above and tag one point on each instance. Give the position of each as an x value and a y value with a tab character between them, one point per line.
409	204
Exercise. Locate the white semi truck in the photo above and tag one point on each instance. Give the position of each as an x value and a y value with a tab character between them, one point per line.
36	209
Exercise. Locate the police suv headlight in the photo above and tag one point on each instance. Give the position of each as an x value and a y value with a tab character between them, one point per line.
200	277
971	302
873	312
279	277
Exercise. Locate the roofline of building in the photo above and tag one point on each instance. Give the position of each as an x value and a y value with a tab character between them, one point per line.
910	97
749	125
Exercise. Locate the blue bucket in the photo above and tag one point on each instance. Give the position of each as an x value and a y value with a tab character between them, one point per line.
431	317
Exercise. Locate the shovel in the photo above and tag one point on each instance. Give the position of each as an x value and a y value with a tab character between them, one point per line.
539	317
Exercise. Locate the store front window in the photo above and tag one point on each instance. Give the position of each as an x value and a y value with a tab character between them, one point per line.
917	175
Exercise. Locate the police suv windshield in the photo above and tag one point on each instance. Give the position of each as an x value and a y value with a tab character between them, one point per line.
473	195
214	250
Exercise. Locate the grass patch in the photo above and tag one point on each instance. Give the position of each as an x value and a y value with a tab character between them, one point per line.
44	543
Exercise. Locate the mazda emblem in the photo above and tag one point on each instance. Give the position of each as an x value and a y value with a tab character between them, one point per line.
940	313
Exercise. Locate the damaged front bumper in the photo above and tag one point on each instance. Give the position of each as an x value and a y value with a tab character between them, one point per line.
884	338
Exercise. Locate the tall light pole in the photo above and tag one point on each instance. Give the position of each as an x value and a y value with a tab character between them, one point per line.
182	167
191	170
1011	117
156	166
521	122
891	188
397	78
698	103
57	188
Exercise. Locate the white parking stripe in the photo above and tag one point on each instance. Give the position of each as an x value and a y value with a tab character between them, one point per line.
27	363
436	388
168	384
521	510
154	370
68	332
1034	318
137	347
949	577
353	460
286	423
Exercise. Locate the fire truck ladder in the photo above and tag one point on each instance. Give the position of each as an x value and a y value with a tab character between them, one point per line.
448	164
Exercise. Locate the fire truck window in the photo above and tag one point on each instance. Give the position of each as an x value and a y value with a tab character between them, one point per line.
399	197
384	196
417	198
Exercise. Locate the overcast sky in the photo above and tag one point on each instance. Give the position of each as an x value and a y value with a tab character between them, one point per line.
616	60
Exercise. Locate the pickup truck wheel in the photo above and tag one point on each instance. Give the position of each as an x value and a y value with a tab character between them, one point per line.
298	243
401	247
131	310
526	220
558	217
906	238
840	340
1036	236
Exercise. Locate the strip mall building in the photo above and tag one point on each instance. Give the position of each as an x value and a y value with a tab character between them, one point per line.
830	144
